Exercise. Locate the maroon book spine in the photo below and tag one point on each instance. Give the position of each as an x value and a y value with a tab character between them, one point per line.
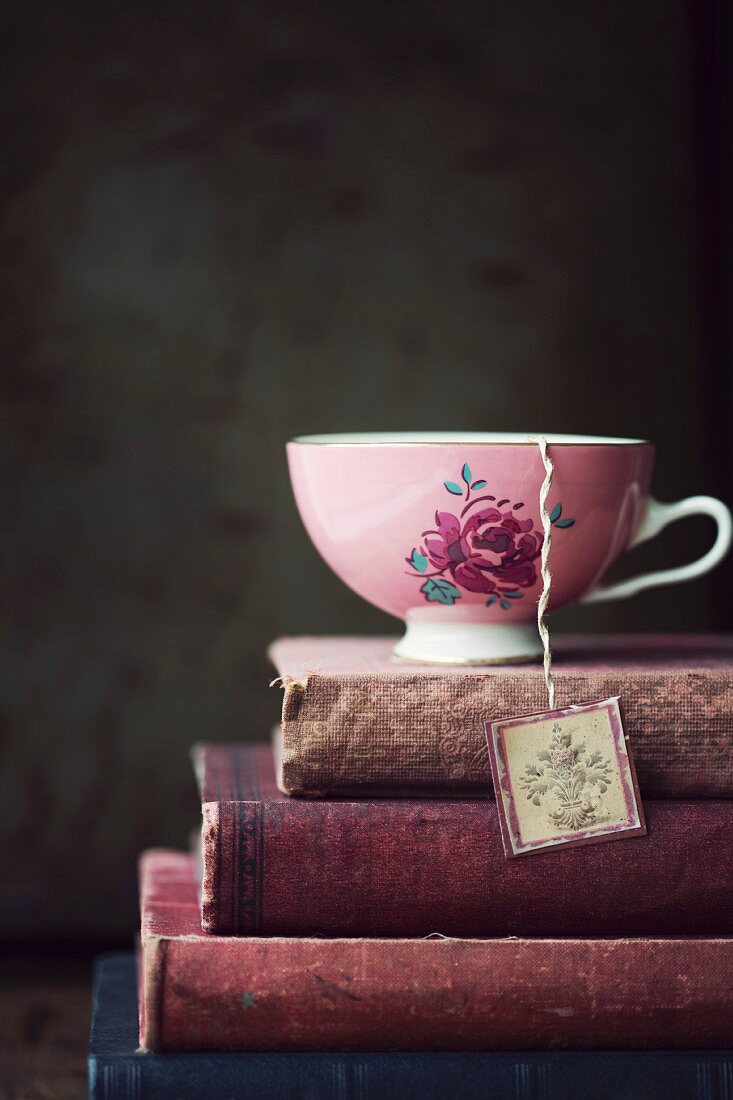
412	867
210	993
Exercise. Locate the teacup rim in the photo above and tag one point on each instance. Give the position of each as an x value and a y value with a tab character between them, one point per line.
457	439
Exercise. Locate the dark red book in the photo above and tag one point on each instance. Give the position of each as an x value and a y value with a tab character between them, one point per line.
357	722
207	993
411	867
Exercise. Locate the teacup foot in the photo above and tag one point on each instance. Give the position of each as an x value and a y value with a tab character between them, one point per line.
462	643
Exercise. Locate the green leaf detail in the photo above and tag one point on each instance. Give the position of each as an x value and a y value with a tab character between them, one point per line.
513	595
418	561
466	473
440	591
504	605
453	488
556	513
479	484
491	601
565	523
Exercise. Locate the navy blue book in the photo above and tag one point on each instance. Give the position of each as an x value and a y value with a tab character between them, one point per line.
118	1072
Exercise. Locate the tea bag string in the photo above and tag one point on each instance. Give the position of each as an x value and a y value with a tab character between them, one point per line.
545	570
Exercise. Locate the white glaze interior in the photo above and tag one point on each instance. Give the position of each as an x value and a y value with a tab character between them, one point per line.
370	438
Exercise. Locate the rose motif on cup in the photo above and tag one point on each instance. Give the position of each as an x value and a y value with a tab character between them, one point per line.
486	547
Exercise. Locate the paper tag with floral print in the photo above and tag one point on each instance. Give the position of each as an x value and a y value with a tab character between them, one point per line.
563	778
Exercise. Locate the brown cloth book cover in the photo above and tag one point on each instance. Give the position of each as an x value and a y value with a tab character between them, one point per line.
355	721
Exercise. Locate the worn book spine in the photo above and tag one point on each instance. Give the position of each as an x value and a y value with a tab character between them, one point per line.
210	993
386	730
411	867
117	1071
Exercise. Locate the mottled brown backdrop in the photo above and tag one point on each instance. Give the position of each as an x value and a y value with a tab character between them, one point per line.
225	224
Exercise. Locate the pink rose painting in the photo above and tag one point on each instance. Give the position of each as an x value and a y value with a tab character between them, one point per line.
485	547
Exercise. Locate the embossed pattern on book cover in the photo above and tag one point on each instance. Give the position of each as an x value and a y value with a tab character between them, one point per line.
356	723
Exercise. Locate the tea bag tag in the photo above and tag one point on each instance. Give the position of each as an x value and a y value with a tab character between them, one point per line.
565	776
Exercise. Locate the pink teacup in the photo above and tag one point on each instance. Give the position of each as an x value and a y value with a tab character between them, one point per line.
443	529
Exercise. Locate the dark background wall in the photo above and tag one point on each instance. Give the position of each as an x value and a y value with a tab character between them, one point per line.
228	224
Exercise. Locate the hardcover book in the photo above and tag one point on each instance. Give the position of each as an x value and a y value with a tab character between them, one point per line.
205	993
119	1071
355	721
412	867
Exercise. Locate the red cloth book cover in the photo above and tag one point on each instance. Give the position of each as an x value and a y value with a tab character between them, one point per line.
207	993
357	722
411	867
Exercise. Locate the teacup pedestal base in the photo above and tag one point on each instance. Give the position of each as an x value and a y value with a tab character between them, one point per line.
447	641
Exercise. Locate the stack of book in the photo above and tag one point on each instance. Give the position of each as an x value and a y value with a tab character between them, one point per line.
348	925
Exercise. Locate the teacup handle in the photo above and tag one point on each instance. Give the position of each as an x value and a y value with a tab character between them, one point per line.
659	516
